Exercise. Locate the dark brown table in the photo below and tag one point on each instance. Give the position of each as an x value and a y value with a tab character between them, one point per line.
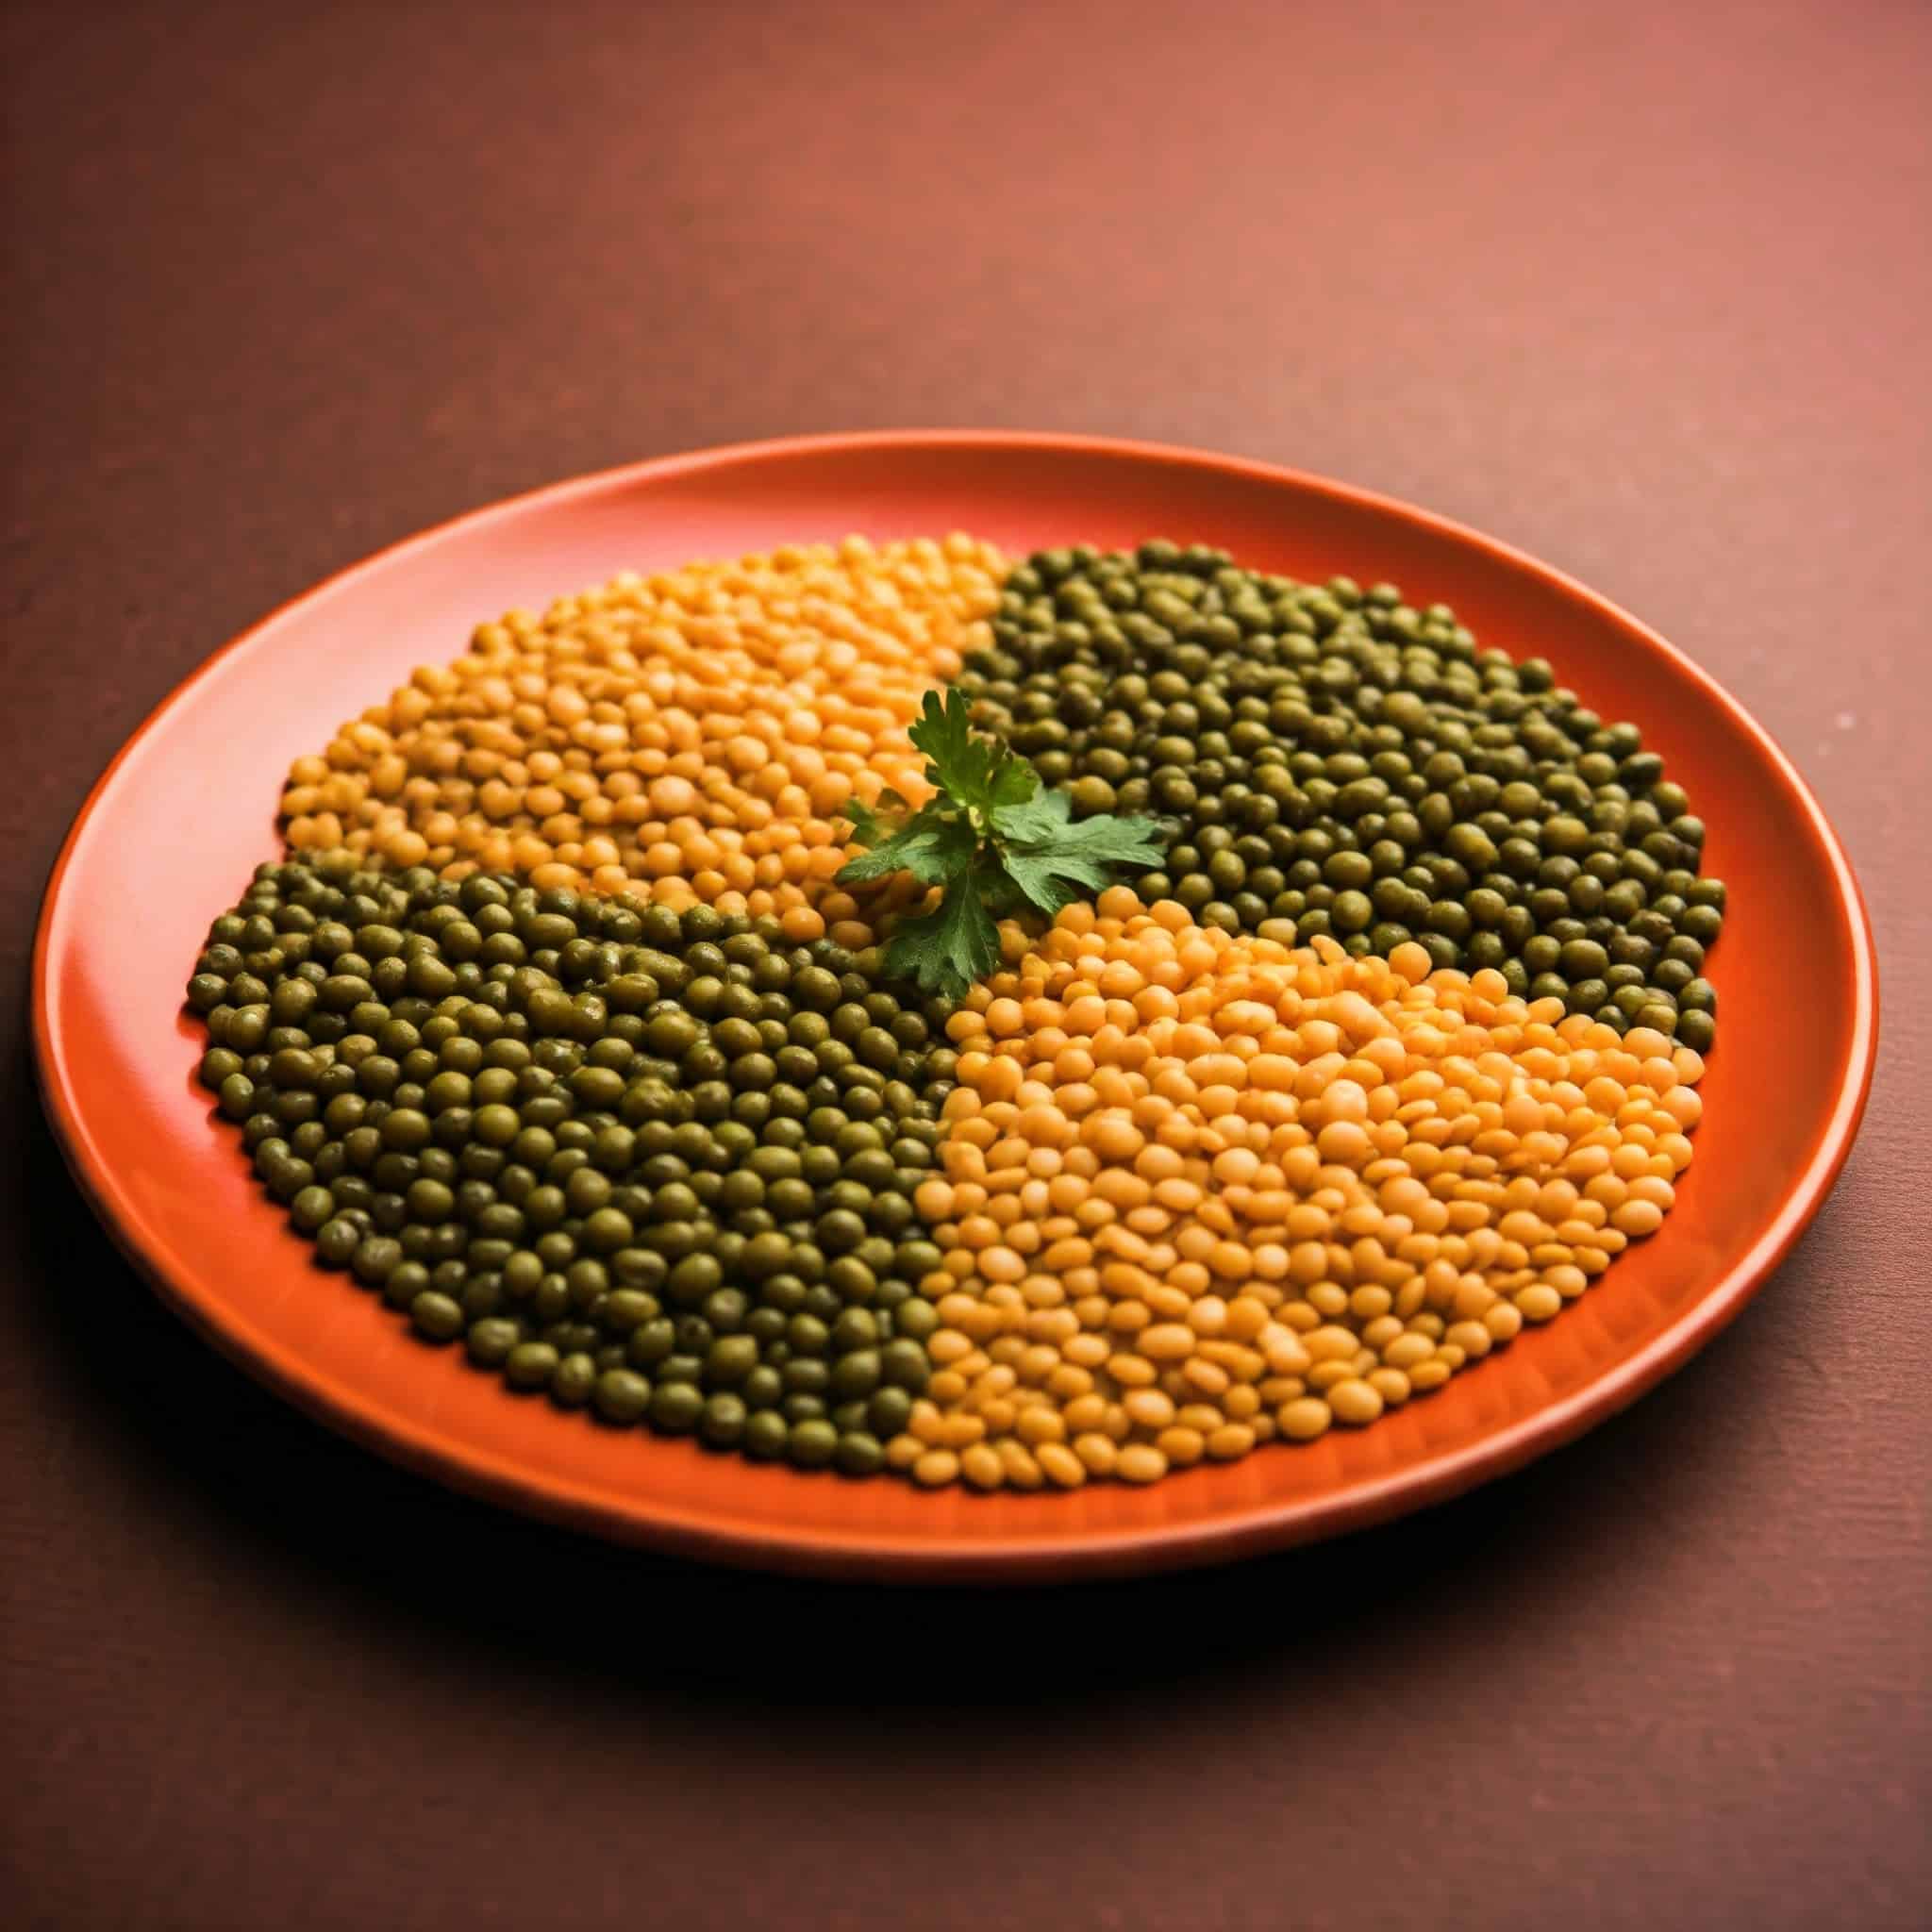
1643	289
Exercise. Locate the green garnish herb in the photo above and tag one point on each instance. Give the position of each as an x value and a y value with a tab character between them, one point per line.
993	837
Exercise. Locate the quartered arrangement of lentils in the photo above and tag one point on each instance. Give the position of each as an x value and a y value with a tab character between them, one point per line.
559	1030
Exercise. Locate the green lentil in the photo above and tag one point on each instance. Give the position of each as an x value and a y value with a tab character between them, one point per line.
1352	763
547	1165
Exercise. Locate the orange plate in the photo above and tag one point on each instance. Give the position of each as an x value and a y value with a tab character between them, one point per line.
169	835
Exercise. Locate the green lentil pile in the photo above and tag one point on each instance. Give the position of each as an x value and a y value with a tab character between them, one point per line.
1345	763
657	1163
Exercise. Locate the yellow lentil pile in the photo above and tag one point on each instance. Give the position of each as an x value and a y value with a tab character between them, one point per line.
692	734
1201	1190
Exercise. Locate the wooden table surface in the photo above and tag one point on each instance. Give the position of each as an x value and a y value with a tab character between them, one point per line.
1643	289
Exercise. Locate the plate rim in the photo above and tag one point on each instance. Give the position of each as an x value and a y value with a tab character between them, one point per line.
658	1521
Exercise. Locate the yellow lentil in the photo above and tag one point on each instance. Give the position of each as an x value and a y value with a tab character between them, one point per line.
1288	1187
689	736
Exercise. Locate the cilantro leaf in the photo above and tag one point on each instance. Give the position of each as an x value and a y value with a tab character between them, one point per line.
975	772
1032	821
934	846
1050	880
955	761
1014	781
873	825
993	838
946	950
1051	859
1112	841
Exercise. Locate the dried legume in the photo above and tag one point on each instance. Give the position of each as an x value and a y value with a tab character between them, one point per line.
1345	761
1200	1188
658	1163
689	735
562	1038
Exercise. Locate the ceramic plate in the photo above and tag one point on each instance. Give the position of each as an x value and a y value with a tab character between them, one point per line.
170	834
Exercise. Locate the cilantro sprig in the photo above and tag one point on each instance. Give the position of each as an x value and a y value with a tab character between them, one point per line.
993	837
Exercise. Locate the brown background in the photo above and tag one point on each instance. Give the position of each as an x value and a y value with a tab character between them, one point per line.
1643	289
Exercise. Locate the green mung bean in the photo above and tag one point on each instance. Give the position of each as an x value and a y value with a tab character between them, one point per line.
577	1157
1340	762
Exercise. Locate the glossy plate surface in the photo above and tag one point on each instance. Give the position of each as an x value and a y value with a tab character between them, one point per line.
169	835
